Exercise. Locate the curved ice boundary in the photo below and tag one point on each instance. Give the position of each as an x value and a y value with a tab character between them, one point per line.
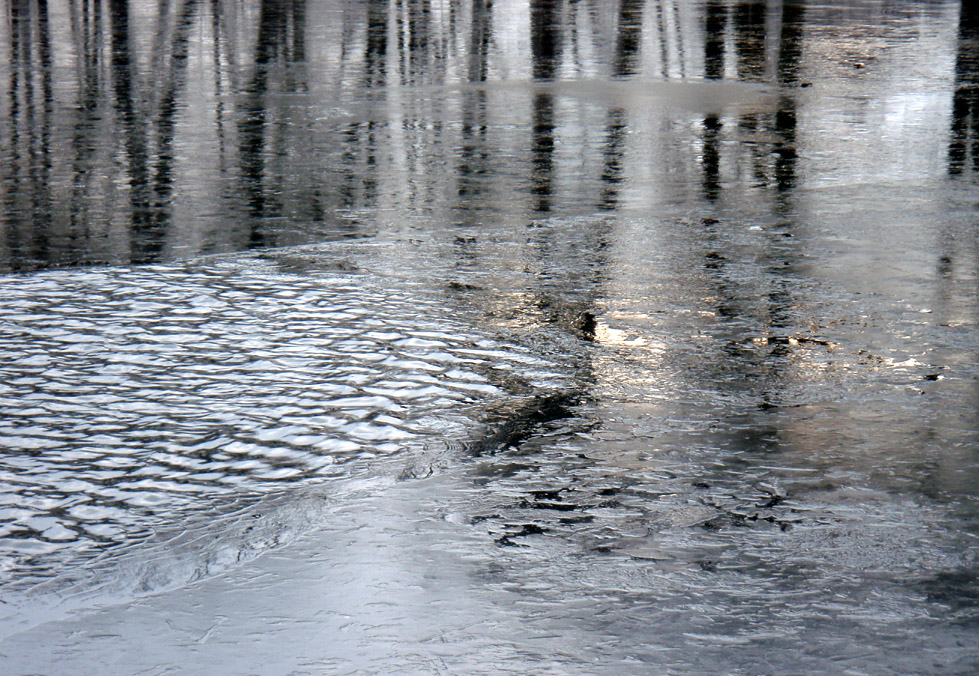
160	424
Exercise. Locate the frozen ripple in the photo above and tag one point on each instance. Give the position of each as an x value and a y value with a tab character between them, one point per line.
132	400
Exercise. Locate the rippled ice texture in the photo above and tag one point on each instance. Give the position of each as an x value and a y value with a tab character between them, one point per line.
679	515
140	403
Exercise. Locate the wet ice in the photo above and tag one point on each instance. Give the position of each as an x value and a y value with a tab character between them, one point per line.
128	426
634	337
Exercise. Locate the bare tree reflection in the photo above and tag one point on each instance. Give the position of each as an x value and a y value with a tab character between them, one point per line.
87	39
359	139
669	29
418	31
31	109
474	154
148	246
146	237
114	103
545	38
628	39
963	147
376	49
789	56
715	30
749	39
224	59
627	49
757	312
278	21
545	47
113	193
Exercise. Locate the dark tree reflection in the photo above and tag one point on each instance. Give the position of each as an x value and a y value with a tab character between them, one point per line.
963	148
715	31
545	45
28	172
145	226
765	302
545	38
376	51
789	56
628	45
220	125
147	119
279	20
628	41
749	39
474	155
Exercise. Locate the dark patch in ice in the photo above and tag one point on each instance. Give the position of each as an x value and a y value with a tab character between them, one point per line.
519	531
512	422
958	589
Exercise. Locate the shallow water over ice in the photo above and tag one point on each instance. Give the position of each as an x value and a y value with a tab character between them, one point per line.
563	337
143	403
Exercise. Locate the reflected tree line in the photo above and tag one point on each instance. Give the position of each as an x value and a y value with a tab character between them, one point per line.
90	176
29	113
963	149
768	301
104	103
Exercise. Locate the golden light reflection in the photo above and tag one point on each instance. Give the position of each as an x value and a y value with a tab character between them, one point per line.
630	337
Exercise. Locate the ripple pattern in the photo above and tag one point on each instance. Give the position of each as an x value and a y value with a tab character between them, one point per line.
129	397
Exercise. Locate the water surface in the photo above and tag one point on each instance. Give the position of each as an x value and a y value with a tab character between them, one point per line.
571	337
